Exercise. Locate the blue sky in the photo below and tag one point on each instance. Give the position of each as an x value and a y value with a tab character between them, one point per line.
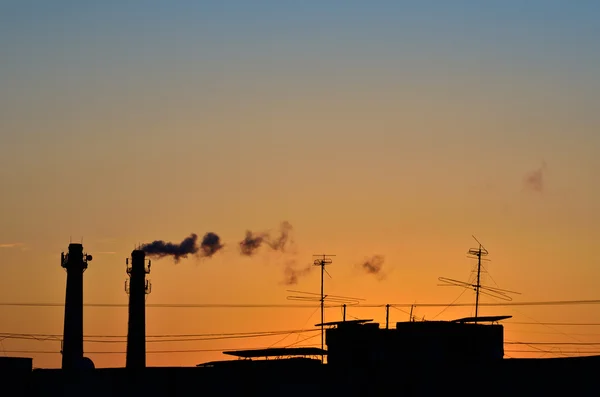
545	29
66	62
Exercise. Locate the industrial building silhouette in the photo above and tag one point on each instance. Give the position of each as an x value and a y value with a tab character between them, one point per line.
363	358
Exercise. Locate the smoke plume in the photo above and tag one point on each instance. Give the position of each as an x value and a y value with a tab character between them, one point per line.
160	248
279	243
211	244
534	181
291	274
253	241
374	265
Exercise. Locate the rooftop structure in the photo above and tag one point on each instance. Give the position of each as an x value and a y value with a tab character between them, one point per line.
277	352
425	343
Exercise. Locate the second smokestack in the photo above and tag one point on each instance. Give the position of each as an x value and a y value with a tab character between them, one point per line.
137	288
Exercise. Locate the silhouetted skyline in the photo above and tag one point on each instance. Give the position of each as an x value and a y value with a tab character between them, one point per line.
389	129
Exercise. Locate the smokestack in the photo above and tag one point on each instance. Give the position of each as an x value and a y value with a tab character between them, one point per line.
137	289
75	263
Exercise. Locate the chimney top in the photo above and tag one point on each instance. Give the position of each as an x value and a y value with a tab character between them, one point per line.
138	254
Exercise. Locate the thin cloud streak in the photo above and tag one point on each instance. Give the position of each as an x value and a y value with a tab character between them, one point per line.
11	245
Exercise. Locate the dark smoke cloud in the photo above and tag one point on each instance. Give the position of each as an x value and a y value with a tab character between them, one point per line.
374	265
253	241
211	243
535	180
279	243
291	274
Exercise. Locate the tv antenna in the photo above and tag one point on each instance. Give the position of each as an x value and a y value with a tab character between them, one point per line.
478	253
322	261
316	297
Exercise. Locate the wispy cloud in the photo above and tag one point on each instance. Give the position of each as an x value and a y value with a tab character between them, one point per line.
535	180
12	245
374	265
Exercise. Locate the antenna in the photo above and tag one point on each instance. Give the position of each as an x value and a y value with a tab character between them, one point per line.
316	297
478	253
324	260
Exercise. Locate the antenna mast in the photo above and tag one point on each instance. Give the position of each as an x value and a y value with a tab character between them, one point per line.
323	260
494	292
478	253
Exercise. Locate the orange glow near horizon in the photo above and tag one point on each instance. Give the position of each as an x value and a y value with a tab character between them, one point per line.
394	131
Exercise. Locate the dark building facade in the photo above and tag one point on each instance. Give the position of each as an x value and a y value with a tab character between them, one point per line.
22	364
425	343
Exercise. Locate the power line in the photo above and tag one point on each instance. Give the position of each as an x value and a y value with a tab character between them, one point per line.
570	334
55	338
555	352
171	305
169	335
533	303
549	327
555	324
231	349
552	343
148	352
300	306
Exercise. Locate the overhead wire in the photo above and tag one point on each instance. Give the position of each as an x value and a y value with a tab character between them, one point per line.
241	335
554	329
174	338
450	305
554	324
552	343
167	335
147	352
233	349
291	333
562	352
301	306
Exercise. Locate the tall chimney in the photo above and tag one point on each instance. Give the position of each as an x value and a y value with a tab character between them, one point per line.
137	289
75	263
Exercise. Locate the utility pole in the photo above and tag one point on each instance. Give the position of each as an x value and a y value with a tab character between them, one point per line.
387	316
478	284
344	317
323	260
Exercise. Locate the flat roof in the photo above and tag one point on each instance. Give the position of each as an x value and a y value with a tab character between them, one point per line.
345	322
277	352
480	319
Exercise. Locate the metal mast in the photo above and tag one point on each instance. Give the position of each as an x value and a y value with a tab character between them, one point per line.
478	253
494	292
322	262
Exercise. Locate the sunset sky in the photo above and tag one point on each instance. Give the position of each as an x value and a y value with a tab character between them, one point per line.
373	128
